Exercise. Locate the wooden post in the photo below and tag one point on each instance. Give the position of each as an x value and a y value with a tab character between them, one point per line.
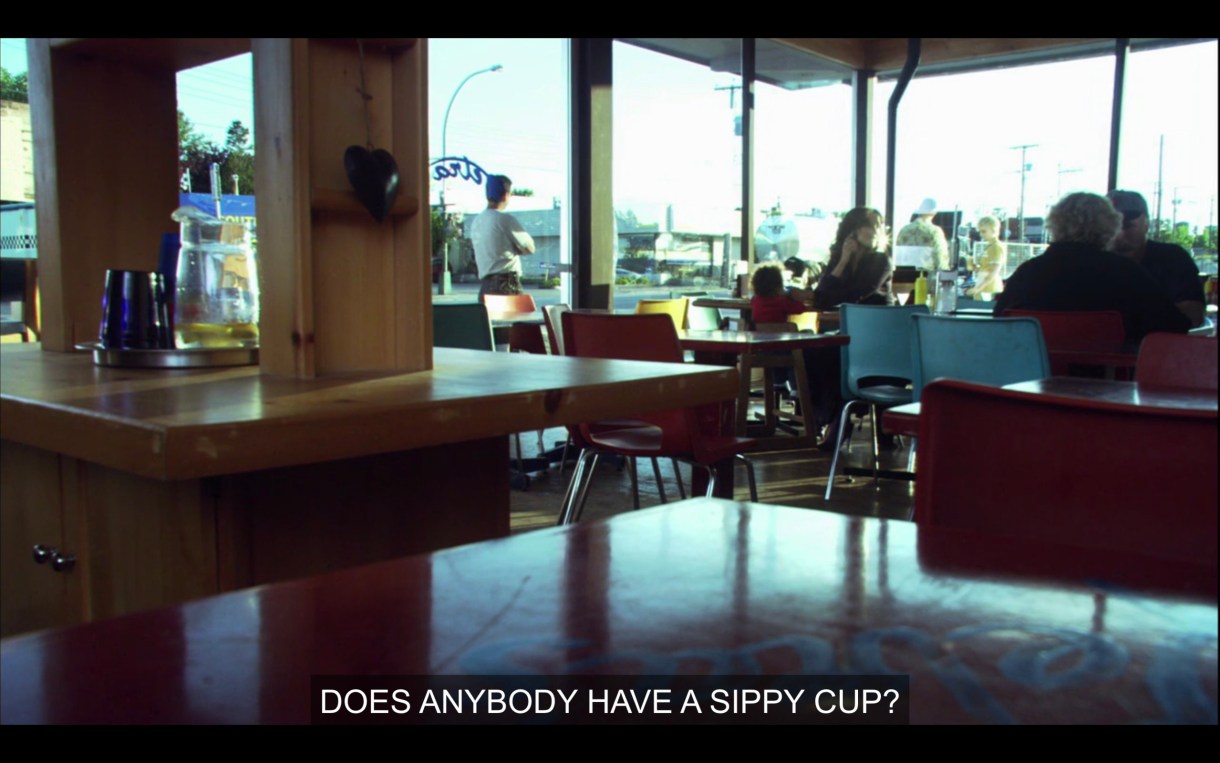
106	171
341	292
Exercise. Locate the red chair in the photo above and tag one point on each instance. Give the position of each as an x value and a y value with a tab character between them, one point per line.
693	435
522	337
1177	360
501	305
1069	471
1079	340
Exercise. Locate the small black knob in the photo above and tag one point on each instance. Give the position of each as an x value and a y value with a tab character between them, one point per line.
63	562
43	554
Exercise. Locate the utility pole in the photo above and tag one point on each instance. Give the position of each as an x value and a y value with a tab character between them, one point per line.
1160	178
732	93
1021	207
1059	181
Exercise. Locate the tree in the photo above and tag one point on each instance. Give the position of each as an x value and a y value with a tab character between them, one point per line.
240	159
197	153
1179	234
14	87
1206	239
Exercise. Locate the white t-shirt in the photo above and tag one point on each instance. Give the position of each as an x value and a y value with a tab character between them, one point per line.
498	238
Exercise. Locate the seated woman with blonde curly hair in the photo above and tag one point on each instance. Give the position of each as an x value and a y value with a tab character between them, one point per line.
1077	272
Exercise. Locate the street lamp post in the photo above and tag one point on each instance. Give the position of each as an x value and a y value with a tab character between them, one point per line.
444	283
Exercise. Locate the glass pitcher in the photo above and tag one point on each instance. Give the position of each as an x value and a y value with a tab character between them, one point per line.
216	293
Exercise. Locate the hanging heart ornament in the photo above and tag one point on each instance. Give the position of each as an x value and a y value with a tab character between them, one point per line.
374	178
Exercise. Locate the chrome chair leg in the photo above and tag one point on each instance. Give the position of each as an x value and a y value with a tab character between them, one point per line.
872	417
678	477
656	473
563	459
569	497
635	483
711	481
749	476
911	455
844	420
588	480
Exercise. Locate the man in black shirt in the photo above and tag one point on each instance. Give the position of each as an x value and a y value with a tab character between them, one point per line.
1170	265
1077	273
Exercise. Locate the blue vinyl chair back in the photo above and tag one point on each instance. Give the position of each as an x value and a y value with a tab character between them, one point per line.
992	351
466	327
880	343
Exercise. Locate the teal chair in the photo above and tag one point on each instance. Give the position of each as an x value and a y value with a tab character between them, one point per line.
465	327
992	351
468	327
879	351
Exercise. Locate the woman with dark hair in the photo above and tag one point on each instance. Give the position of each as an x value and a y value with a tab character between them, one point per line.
860	270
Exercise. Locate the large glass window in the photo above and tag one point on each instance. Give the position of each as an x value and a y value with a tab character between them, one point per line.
507	108
677	164
216	127
802	153
1006	142
1168	145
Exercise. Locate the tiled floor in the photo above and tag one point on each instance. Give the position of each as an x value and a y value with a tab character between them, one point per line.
792	478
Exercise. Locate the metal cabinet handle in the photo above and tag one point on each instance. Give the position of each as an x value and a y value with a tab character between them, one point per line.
43	554
63	562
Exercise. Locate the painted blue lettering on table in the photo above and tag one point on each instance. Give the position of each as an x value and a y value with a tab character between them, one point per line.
457	167
1173	679
867	655
1042	660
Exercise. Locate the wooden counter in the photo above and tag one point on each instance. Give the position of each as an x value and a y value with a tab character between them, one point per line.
168	485
202	423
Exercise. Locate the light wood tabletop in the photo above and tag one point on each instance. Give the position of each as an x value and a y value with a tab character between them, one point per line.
186	424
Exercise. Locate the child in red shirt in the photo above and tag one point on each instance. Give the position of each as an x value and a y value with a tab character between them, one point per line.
770	303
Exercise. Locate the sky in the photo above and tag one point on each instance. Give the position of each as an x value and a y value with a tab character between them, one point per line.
674	144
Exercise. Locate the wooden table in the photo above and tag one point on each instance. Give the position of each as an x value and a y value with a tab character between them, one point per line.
990	630
904	419
901	419
827	319
1120	392
751	349
741	304
170	485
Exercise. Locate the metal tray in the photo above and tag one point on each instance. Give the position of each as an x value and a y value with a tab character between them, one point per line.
204	357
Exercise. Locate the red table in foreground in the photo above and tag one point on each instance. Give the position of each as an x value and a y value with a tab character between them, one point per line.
990	630
904	419
1121	392
751	348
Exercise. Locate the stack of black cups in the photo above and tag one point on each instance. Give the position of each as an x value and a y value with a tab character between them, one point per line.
136	312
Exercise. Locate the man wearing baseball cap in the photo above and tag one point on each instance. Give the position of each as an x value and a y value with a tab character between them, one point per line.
922	232
1170	265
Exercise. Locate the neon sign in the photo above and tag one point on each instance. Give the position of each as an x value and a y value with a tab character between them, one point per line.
457	167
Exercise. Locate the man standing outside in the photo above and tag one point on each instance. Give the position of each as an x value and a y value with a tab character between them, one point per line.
1170	265
921	232
499	240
